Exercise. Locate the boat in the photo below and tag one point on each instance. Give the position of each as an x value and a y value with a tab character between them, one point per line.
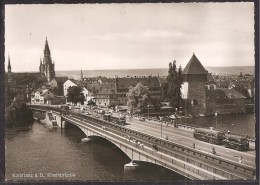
131	166
85	140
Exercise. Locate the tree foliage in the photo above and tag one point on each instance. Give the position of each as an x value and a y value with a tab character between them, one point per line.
174	81
156	103
75	95
137	97
18	114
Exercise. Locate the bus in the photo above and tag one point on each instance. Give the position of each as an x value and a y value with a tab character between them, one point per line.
115	119
208	135
236	142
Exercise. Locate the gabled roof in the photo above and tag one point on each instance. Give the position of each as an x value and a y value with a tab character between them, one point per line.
231	93
99	87
76	82
125	83
223	83
61	79
106	92
41	91
224	93
194	67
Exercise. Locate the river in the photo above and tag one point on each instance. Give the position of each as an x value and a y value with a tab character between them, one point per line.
240	124
42	153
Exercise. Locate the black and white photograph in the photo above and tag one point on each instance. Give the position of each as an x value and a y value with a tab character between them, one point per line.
130	92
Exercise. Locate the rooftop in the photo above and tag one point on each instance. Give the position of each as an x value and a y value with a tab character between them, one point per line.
194	67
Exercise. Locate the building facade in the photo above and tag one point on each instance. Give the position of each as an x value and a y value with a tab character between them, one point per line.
105	98
122	87
42	96
70	83
47	66
225	101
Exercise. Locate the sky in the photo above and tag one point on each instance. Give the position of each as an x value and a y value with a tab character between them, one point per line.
129	36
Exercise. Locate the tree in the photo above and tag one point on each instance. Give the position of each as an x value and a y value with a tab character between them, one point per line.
156	103
58	91
18	114
137	97
174	81
75	95
178	89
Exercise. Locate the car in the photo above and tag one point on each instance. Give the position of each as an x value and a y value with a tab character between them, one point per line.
100	111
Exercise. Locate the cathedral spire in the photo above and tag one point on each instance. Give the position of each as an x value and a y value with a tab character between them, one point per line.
46	45
47	52
81	74
47	66
9	64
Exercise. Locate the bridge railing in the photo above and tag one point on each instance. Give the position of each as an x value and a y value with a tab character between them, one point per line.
161	142
179	152
161	158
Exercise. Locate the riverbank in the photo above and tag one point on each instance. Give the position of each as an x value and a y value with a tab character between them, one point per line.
18	115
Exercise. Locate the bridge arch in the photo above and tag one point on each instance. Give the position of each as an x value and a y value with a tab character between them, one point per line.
91	134
132	154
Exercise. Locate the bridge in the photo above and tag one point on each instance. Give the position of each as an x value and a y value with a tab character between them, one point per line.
190	162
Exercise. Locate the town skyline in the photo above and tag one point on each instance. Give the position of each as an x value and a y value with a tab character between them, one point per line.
94	40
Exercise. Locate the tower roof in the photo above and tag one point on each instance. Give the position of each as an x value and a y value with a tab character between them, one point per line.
46	45
9	60
9	64
194	67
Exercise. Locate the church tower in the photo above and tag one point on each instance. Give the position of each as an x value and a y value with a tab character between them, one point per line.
47	65
81	75
193	87
9	65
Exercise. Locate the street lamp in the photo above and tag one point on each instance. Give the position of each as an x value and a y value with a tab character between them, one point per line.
216	115
213	149
161	128
148	110
161	124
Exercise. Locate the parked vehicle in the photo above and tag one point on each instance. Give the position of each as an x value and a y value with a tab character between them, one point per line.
100	111
115	119
64	107
83	109
236	142
208	135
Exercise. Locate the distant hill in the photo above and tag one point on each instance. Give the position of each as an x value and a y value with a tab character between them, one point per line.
231	70
235	70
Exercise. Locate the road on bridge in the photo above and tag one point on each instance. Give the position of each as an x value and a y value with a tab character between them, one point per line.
184	136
